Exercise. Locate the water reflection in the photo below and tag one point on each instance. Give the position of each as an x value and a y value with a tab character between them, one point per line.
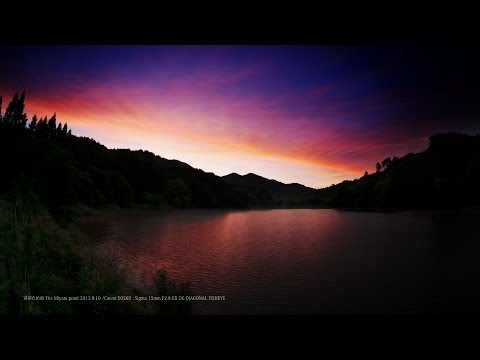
302	261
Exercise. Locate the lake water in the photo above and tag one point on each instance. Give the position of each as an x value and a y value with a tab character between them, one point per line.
302	261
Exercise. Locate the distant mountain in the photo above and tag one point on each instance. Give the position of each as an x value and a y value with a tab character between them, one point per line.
282	194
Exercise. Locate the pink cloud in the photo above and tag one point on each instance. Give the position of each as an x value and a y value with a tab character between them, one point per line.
193	108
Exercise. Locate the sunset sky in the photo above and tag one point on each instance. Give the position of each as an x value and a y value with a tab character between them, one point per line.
315	115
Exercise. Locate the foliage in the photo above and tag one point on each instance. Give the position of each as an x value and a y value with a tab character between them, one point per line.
48	177
447	174
64	169
38	257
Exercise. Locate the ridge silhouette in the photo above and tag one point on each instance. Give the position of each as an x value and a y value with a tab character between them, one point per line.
44	158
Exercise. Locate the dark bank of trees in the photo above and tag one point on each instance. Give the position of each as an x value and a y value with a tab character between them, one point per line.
62	169
445	175
44	171
42	156
283	195
42	255
46	176
15	120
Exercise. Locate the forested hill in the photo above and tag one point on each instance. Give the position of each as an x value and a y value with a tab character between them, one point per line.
446	174
282	194
46	160
43	158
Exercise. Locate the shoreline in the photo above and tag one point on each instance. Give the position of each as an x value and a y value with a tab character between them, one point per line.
112	210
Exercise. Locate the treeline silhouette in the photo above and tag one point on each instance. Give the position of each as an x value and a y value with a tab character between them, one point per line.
283	195
445	175
63	169
45	175
16	119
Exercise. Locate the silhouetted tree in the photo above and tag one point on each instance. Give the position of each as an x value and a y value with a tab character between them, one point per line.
52	122
64	130
378	167
33	124
14	115
9	111
386	163
42	128
59	130
52	125
22	117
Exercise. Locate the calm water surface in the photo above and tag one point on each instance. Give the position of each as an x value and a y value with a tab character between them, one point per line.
302	261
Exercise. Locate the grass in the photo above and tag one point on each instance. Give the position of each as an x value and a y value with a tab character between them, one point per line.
43	255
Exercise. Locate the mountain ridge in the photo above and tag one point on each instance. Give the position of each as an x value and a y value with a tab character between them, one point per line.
282	194
46	160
